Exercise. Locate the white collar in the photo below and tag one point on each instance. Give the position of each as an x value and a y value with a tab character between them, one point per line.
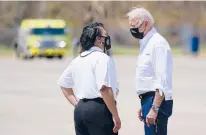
147	37
92	49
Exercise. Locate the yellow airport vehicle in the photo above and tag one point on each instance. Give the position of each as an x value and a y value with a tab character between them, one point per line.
42	37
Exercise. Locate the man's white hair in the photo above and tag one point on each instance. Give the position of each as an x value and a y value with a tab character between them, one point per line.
140	14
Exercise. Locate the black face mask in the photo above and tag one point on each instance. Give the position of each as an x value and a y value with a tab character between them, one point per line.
136	33
107	43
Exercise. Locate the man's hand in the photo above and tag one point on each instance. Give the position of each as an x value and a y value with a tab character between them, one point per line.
151	117
139	113
117	124
77	101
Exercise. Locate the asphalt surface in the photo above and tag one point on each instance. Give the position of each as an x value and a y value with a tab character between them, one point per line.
31	102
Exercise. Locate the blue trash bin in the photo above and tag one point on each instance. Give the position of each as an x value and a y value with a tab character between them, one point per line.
195	45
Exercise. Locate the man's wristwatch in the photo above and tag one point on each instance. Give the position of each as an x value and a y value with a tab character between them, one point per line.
155	108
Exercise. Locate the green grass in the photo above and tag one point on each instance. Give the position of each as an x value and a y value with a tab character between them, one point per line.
6	51
117	50
135	51
124	50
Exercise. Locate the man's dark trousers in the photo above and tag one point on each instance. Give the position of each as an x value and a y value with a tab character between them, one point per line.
92	117
162	119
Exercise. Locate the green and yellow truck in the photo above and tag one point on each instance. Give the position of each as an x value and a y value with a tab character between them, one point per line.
42	38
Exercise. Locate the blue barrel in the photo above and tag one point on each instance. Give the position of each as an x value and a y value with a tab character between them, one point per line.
195	44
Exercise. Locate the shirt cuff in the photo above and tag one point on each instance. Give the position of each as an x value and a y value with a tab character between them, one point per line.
160	88
65	84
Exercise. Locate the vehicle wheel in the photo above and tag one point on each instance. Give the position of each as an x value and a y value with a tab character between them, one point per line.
31	57
50	57
60	56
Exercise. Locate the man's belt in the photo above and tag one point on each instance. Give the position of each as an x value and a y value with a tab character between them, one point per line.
148	94
98	99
